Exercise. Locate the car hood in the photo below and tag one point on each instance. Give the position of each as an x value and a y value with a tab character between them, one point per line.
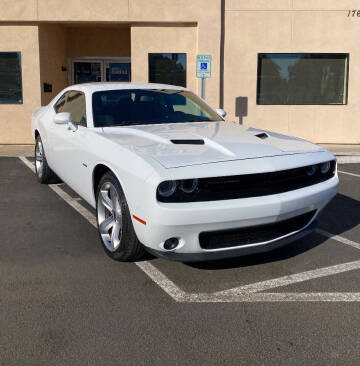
183	144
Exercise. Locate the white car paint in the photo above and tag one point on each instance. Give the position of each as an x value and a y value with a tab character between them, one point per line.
143	156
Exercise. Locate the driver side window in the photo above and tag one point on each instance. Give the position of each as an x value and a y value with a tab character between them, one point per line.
59	106
74	103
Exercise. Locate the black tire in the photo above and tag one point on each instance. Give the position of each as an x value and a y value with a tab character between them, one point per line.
130	248
44	175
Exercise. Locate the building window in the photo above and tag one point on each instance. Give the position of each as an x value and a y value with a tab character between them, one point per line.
10	78
167	68
302	78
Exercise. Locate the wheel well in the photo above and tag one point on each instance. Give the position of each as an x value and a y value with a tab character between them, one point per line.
99	171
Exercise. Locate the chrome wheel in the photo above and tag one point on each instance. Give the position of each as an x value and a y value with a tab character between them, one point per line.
109	216
39	158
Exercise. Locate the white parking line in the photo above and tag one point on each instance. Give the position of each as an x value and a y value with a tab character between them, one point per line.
292	279
276	297
247	293
352	174
28	163
158	277
338	238
162	281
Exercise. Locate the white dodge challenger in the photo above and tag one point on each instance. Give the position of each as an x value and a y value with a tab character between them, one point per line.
167	174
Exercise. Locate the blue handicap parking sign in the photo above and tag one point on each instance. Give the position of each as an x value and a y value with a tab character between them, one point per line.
203	66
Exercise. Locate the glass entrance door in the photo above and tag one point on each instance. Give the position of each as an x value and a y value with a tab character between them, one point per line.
89	69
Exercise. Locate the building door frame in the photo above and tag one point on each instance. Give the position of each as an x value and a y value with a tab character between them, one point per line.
101	59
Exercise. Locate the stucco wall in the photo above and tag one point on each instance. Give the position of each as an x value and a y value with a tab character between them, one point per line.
52	49
98	40
14	10
167	39
15	118
250	30
169	13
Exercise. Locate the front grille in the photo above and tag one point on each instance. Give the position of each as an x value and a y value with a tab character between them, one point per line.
251	185
254	234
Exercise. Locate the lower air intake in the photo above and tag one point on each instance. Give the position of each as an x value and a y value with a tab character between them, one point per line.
253	234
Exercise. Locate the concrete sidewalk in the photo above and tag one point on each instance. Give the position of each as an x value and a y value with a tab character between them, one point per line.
16	150
343	150
344	153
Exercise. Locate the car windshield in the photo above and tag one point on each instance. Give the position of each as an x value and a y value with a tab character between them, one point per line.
124	107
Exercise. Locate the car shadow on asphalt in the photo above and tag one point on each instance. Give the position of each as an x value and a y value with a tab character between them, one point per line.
342	214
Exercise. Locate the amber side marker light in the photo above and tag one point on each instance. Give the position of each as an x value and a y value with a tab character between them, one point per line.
138	219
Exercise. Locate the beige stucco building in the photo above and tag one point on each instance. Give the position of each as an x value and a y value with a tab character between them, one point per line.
292	66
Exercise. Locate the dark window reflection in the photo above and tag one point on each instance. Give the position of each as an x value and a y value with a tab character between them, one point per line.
87	72
10	78
167	68
302	78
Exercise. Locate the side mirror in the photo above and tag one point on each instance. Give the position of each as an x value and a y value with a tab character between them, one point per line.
221	112
62	118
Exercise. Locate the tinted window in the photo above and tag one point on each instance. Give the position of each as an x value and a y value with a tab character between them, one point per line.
167	68
74	103
305	78
10	78
150	106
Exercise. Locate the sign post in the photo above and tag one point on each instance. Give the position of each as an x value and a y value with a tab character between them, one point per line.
203	70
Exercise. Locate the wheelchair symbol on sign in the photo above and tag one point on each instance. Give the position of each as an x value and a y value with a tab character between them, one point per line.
203	66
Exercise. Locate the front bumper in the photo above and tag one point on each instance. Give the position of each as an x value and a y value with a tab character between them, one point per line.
236	252
187	220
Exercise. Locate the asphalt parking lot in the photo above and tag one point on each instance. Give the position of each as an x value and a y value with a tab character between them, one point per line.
64	302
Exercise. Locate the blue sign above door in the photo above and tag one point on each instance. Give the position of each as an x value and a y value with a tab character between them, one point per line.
119	71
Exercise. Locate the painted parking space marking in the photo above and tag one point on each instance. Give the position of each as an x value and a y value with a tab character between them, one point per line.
338	238
293	278
163	282
158	277
275	297
352	174
247	293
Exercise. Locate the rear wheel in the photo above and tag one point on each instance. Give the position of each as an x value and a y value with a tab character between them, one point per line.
115	227
43	172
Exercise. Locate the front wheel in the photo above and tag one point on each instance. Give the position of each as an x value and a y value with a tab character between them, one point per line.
115	227
43	172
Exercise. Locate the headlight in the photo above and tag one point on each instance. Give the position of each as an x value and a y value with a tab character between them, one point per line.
325	167
167	188
311	170
188	185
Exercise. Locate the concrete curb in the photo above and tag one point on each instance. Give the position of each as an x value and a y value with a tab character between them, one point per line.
16	150
341	159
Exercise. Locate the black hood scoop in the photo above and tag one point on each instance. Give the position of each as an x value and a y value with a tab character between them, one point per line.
188	142
262	135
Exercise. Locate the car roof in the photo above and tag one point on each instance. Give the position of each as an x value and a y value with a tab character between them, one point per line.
98	86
